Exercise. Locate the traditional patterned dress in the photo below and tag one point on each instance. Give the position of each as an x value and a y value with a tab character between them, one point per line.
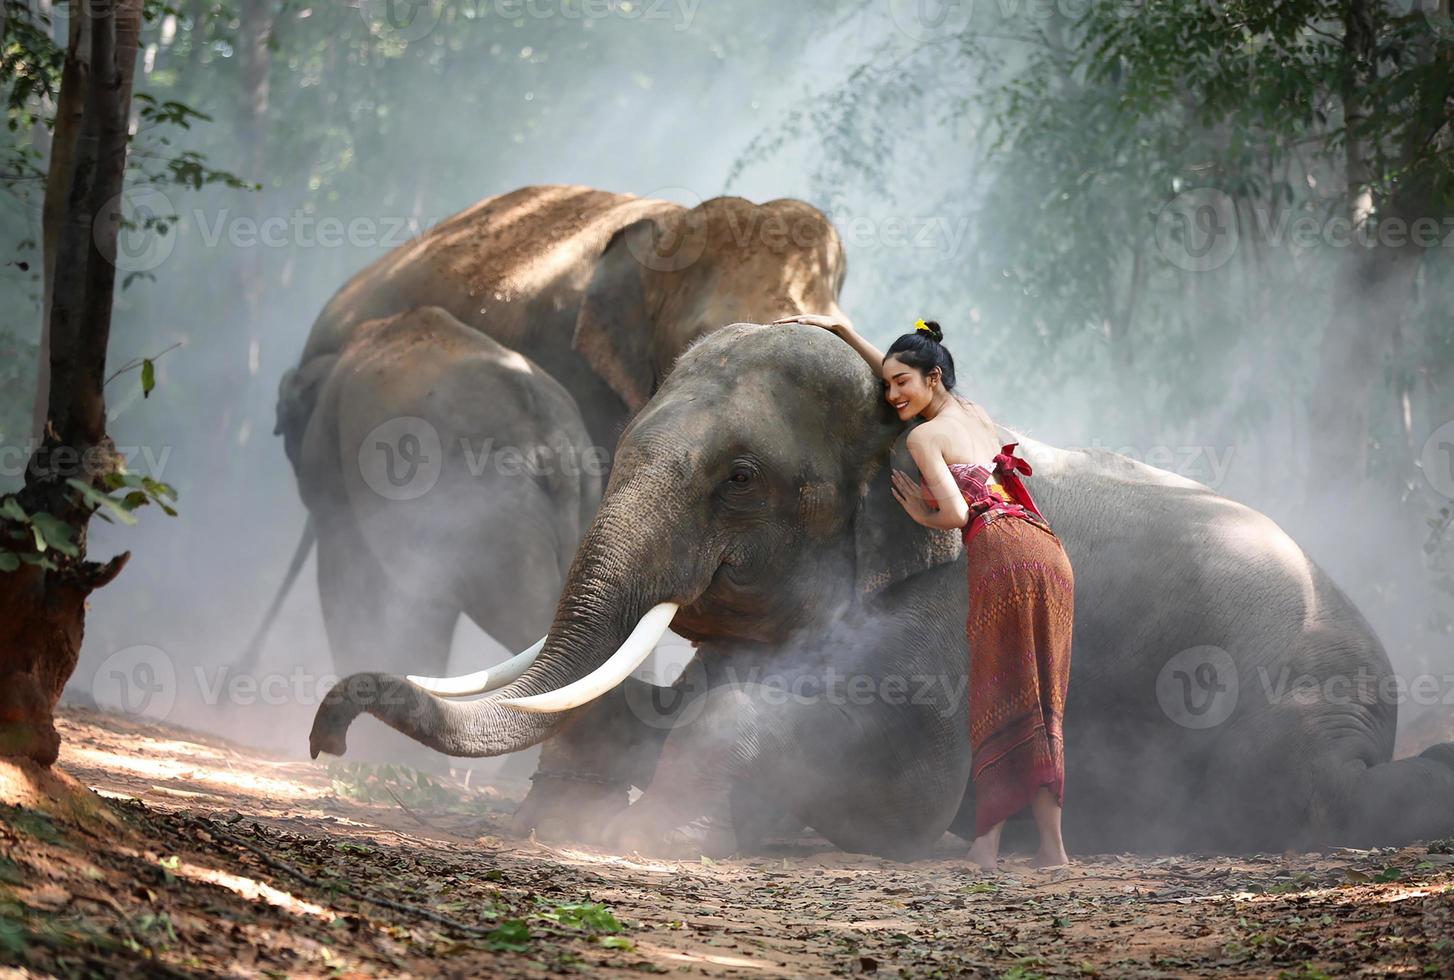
1021	604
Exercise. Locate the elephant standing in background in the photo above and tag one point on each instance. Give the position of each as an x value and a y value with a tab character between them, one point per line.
749	507
414	468
600	292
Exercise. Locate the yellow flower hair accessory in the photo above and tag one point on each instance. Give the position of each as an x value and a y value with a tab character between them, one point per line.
921	325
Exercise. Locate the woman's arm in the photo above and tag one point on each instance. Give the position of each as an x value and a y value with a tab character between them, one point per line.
953	512
867	351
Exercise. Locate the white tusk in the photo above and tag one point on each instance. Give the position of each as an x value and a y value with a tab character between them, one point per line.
481	680
638	647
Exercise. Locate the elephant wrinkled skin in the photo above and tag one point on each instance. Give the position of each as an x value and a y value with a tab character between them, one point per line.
752	490
598	293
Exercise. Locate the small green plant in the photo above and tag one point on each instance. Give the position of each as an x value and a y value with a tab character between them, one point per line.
592	916
512	935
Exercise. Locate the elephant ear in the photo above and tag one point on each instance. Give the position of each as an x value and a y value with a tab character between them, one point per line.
889	545
614	328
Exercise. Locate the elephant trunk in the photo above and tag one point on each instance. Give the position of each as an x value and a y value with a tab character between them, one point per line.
620	577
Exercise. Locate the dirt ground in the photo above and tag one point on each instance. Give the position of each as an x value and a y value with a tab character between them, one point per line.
195	856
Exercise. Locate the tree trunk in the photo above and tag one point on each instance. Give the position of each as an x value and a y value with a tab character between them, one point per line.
70	105
42	610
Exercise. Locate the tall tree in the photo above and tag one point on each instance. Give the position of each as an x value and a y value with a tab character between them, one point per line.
69	109
45	575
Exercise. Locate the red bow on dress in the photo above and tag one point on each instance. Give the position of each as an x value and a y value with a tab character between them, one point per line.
1008	467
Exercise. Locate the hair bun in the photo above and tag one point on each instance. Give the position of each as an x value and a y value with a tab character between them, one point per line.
934	330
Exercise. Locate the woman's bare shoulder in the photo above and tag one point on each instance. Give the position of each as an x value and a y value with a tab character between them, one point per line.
975	432
978	413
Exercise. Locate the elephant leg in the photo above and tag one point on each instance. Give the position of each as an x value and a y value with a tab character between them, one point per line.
880	776
510	563
508	557
1397	802
1297	774
368	622
586	770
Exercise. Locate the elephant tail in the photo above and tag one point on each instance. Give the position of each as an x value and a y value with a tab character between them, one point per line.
248	661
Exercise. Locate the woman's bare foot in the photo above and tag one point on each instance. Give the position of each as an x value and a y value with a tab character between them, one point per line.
985	851
1047	819
1052	859
984	857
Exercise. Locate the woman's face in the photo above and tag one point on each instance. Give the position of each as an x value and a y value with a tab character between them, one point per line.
905	388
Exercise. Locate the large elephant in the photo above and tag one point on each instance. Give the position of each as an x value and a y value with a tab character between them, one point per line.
415	461
601	292
750	497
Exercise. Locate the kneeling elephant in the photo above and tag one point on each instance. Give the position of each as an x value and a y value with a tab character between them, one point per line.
750	509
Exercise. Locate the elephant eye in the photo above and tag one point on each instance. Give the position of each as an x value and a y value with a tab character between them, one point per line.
742	475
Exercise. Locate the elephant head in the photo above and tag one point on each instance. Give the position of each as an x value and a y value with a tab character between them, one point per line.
668	278
748	501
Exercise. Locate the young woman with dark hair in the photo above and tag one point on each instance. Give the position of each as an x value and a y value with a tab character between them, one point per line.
1021	588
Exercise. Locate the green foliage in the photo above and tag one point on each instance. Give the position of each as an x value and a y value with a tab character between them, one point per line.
1075	134
30	67
591	916
43	539
511	935
31	62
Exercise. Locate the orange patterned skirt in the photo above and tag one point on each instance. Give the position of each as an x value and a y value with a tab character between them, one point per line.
1021	605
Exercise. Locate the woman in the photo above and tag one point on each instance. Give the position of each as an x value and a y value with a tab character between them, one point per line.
1021	588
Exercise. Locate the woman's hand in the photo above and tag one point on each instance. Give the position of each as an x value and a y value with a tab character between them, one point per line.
908	494
843	329
814	320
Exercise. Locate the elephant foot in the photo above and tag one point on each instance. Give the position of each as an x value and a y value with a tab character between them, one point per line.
653	831
568	810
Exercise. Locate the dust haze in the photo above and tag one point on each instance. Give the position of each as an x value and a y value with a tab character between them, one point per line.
674	106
